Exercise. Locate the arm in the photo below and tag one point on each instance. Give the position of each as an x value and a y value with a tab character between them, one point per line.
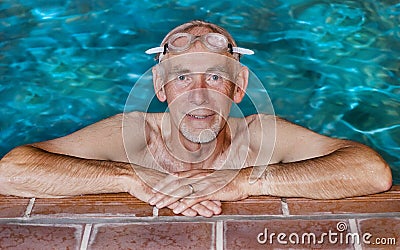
352	170
85	162
315	166
32	172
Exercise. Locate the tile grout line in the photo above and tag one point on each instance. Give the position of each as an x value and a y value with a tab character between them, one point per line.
219	235
354	230
29	208
285	207
86	236
155	211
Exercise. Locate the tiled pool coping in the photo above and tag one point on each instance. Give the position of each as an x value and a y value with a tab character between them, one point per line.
119	221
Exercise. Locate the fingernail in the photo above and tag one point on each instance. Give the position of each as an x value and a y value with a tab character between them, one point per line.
178	210
208	214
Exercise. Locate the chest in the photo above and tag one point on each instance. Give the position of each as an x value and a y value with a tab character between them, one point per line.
157	156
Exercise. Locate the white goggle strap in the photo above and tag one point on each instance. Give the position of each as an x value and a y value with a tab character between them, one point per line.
155	50
242	51
238	50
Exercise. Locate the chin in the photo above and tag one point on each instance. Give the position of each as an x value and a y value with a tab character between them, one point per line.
205	136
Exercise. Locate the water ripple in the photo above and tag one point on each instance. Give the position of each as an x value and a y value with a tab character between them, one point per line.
332	66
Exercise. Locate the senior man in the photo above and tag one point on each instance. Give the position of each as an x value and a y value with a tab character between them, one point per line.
196	155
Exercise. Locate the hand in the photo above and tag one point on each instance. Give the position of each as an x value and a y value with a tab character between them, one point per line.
204	208
208	185
141	183
141	187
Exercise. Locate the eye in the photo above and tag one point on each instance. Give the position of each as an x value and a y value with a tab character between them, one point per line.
183	80
215	77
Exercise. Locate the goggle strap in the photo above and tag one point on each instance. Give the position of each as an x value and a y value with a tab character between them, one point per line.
238	50
165	49
154	50
242	51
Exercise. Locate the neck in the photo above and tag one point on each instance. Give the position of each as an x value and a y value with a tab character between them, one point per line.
196	154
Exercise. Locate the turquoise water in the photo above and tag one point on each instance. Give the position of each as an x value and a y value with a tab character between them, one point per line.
332	66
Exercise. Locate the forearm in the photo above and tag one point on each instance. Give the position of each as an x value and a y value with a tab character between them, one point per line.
344	173
32	172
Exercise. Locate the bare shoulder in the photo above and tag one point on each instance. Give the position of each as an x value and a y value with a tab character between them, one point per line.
103	140
139	125
280	140
296	143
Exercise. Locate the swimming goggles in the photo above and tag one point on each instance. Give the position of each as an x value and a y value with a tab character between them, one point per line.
215	42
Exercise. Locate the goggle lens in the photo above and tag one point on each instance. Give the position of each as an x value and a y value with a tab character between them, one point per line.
216	41
179	41
182	41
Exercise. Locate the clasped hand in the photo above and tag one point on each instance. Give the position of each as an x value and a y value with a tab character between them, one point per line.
200	191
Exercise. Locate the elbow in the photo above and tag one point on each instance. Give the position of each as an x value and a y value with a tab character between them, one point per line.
12	170
373	173
385	179
380	175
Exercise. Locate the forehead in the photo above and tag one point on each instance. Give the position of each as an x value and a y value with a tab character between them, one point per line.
200	62
199	31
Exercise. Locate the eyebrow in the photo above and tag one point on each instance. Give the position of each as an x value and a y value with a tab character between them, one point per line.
217	68
179	69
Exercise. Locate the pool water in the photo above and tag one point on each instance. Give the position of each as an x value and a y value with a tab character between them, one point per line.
331	66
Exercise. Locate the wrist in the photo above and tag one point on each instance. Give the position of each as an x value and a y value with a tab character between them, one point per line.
266	181
251	181
257	181
126	183
127	178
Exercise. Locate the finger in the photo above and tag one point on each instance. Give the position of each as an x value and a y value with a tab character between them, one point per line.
172	177
188	212
205	208
214	206
173	205
191	173
218	203
160	200
202	210
175	190
185	204
162	184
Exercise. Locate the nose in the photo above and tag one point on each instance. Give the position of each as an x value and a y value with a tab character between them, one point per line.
199	93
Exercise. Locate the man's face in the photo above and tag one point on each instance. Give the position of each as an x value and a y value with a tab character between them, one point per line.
199	87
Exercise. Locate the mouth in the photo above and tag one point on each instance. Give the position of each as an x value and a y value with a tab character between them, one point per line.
200	115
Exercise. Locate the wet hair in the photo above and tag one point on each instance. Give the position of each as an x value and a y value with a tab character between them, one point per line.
187	27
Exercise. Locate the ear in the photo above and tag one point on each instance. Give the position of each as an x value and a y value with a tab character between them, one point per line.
242	80
158	83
